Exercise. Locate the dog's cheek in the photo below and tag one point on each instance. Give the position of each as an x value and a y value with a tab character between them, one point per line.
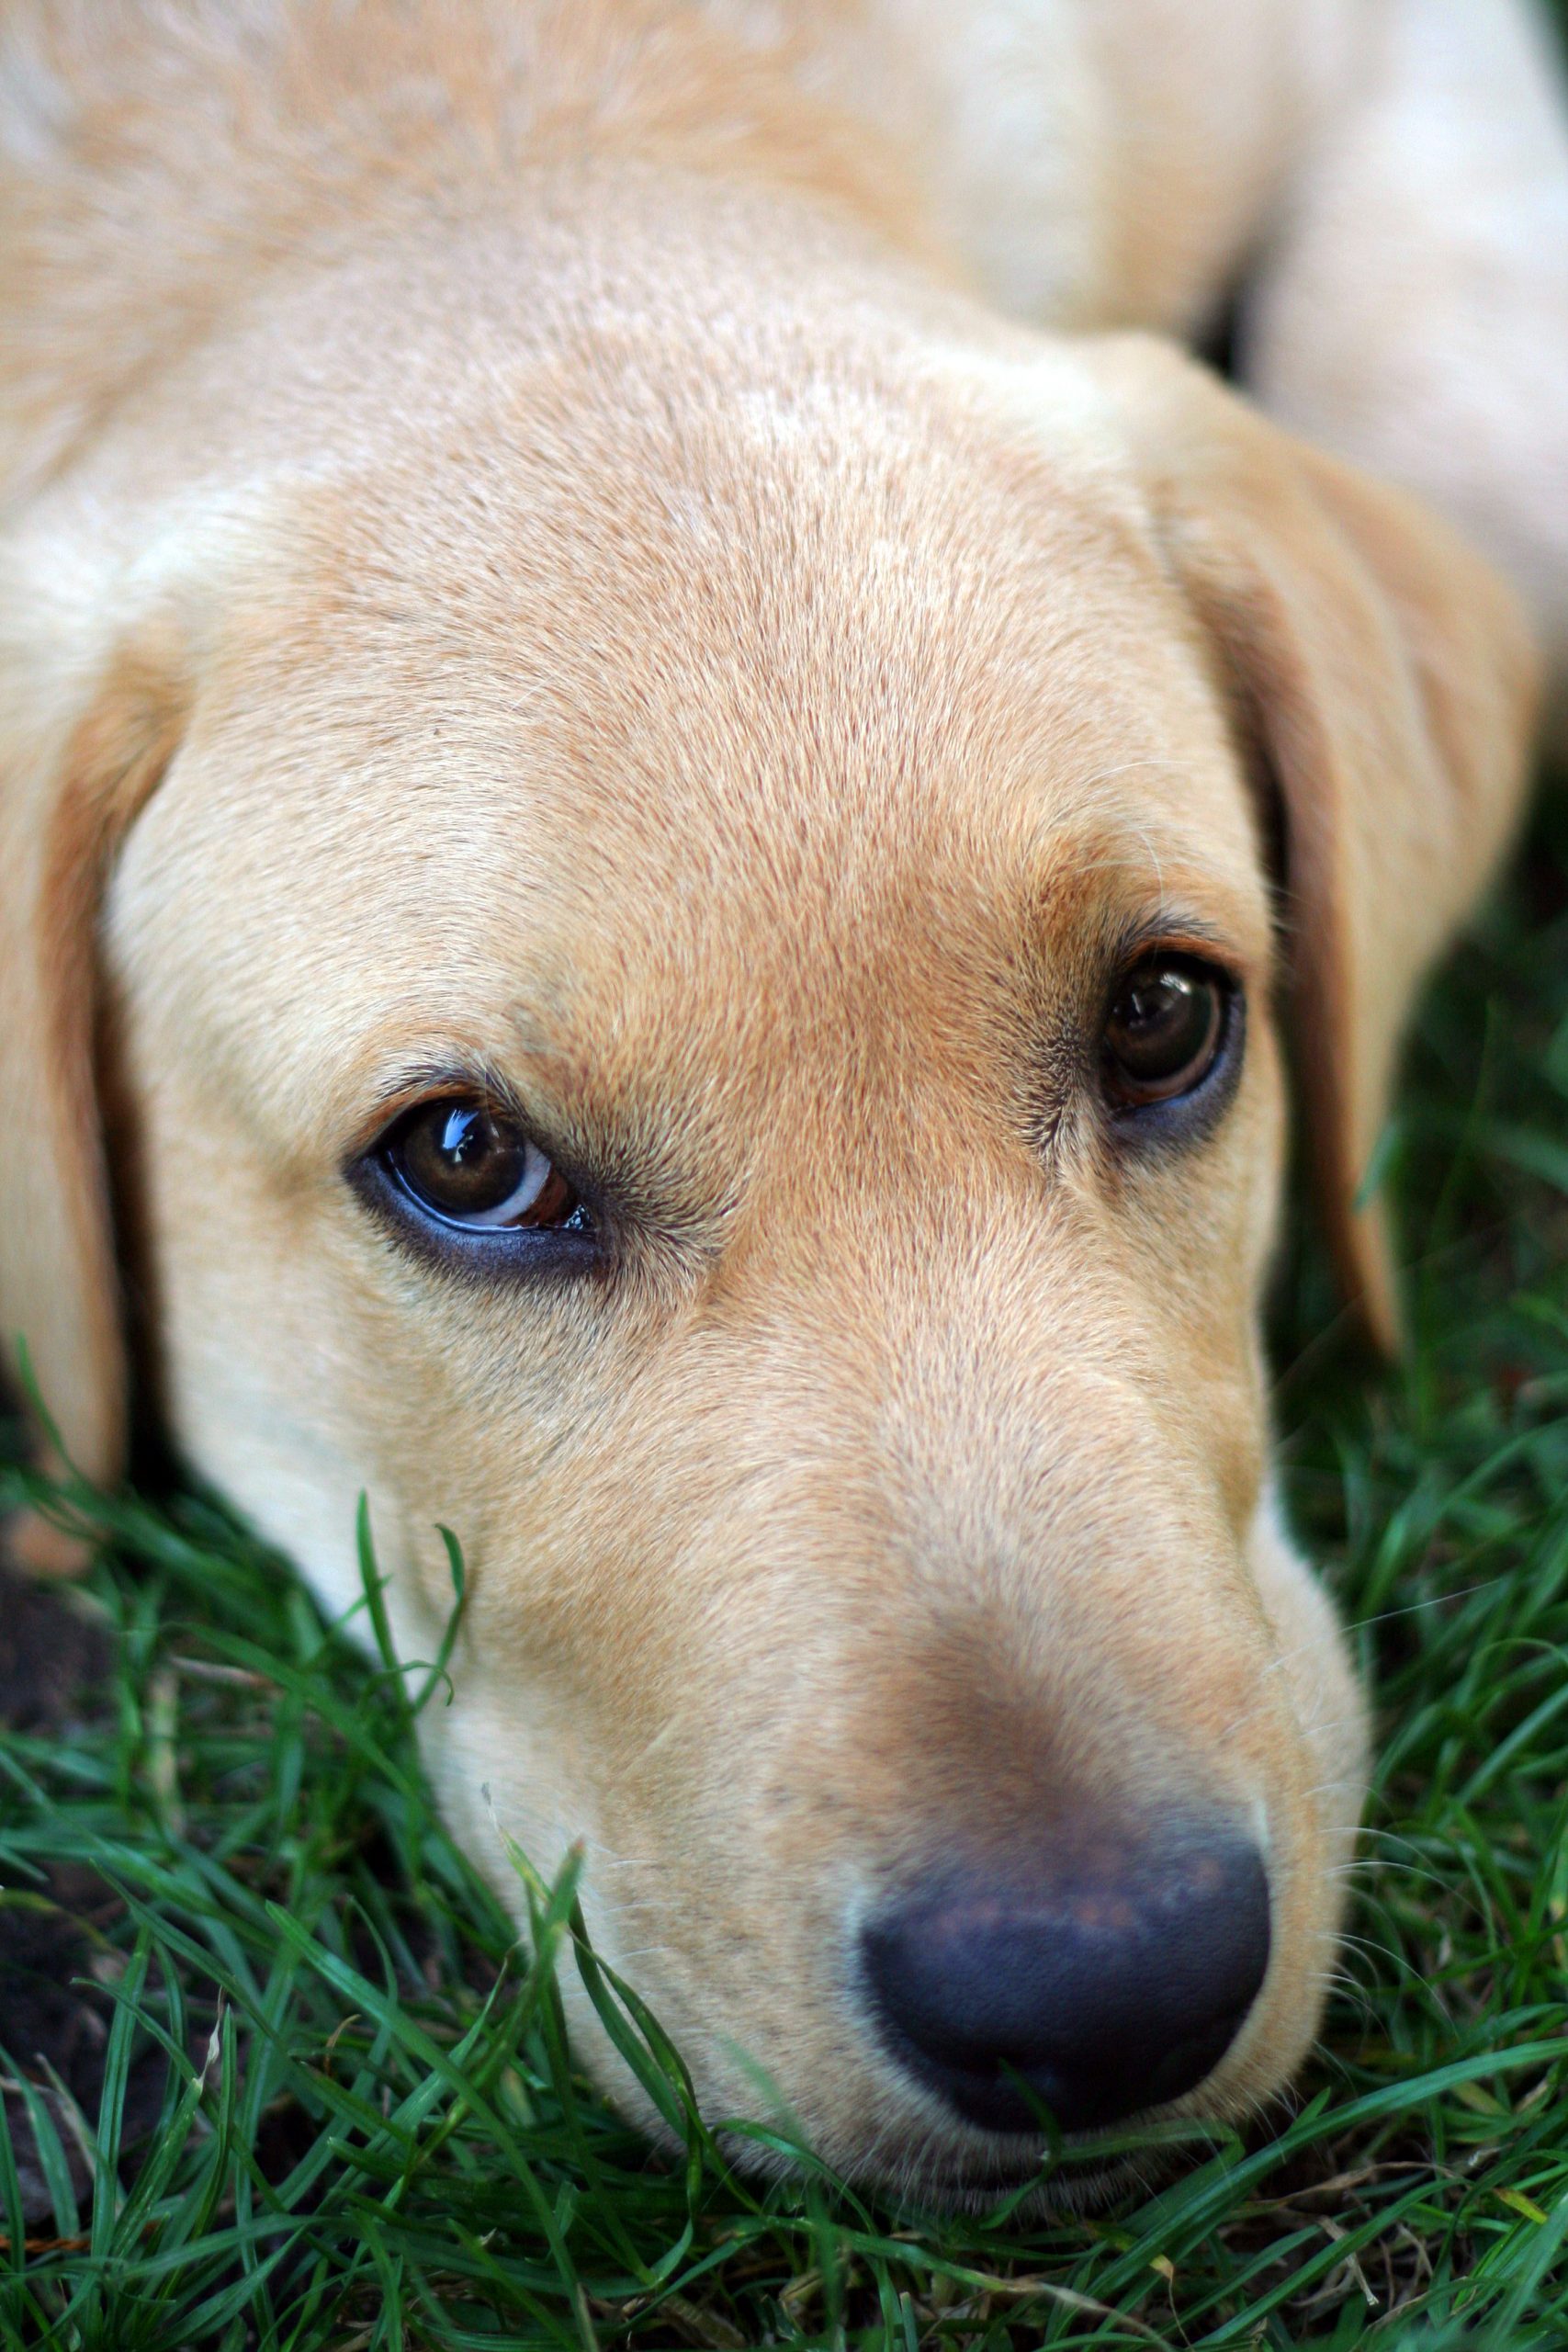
521	1782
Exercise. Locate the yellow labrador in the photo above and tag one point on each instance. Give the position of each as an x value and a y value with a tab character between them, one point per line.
650	869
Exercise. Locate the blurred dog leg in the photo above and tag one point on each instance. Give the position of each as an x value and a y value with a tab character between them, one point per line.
1413	312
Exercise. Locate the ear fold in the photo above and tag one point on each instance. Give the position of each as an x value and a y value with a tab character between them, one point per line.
67	792
1386	681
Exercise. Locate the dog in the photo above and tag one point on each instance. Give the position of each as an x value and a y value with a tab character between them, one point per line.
670	789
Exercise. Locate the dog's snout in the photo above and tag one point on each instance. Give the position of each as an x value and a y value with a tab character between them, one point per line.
1095	1984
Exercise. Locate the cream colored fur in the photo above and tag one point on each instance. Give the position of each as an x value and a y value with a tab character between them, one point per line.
531	545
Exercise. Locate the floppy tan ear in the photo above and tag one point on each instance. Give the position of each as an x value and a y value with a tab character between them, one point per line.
1385	680
67	792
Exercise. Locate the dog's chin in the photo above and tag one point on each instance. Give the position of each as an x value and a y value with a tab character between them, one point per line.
1031	2191
1034	2187
976	2177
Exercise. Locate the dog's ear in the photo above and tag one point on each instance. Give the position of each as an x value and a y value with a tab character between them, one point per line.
1383	683
72	776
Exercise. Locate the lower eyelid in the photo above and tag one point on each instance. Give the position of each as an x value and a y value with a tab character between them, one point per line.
482	1254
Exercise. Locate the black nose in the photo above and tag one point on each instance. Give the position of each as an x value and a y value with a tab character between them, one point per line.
1097	1983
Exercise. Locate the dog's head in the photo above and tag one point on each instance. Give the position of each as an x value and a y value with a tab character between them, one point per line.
699	999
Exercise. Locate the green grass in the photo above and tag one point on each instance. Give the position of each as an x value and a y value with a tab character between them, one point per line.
311	2091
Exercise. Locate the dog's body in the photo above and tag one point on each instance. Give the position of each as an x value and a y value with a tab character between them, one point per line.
532	577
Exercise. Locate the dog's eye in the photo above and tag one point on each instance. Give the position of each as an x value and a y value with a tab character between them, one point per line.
1165	1030
471	1165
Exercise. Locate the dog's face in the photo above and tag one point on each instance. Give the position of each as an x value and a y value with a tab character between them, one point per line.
697	1002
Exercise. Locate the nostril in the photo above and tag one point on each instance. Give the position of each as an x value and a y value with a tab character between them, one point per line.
1097	1984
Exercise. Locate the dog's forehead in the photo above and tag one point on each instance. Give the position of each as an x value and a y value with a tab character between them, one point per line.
626	723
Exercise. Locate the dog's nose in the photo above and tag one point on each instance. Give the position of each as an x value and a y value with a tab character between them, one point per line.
1095	1984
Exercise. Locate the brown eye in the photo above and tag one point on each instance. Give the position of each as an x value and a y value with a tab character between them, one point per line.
471	1165
1166	1027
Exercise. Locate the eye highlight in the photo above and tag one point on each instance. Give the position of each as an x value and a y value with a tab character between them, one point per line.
1169	1025
468	1165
